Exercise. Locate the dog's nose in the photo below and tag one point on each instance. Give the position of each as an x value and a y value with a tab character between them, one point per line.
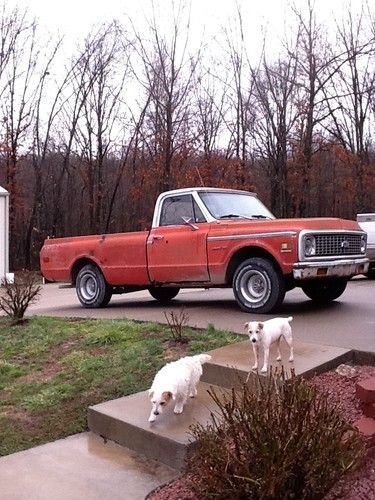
253	340
156	413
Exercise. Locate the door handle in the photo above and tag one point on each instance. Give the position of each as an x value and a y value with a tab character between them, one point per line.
151	239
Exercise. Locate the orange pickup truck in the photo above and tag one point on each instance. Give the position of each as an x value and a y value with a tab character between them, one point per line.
208	237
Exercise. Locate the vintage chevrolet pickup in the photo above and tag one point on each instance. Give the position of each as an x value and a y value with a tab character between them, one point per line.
208	237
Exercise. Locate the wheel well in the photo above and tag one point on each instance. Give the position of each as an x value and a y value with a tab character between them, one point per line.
78	266
247	253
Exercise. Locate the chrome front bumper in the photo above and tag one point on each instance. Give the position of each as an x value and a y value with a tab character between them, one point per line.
330	269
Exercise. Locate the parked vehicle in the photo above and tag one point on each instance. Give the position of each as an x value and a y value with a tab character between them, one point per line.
367	223
208	237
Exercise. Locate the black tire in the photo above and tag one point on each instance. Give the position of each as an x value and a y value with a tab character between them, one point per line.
163	294
258	286
324	291
371	273
91	287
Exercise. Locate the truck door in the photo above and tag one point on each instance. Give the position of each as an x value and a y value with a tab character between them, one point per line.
177	249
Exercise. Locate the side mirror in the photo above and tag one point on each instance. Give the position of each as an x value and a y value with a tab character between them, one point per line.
187	221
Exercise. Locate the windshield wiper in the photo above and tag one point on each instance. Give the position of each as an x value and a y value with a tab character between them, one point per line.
230	216
248	217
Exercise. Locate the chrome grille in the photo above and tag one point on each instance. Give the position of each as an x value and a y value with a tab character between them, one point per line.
337	244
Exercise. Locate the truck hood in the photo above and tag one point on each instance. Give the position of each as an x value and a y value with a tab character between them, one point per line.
266	225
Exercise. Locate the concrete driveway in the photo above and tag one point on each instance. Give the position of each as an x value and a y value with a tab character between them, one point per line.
348	322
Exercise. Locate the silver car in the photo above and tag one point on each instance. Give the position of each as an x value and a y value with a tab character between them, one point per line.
367	223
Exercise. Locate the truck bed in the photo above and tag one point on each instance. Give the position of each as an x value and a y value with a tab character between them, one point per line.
120	256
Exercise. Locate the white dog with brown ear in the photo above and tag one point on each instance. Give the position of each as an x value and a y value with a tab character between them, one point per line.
266	333
176	381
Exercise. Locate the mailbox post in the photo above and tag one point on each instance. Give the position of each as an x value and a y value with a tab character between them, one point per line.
4	235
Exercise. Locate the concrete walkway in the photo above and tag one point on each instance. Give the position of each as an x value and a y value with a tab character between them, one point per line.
81	467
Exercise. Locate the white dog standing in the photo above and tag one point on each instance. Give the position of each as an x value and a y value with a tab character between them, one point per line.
176	381
266	333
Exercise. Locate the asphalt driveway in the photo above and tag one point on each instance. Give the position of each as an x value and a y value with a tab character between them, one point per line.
348	322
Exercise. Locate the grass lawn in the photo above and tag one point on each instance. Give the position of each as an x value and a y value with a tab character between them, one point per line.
52	369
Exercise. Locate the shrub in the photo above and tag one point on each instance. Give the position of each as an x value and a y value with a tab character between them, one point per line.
274	439
16	297
176	322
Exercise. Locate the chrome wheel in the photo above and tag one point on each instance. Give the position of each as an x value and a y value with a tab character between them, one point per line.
88	287
258	285
91	287
255	286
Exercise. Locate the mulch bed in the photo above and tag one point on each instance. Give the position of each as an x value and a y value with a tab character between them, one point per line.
340	390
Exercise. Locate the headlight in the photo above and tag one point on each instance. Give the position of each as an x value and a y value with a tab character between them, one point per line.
363	243
310	246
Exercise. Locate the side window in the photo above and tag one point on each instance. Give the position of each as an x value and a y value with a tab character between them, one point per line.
177	208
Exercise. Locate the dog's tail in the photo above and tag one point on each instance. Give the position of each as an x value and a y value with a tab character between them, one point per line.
289	319
202	358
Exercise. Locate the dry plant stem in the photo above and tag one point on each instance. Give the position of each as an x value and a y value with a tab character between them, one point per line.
176	323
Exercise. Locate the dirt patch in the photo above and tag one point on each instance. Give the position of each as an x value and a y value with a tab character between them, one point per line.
151	334
19	322
340	391
174	351
4	395
41	376
22	420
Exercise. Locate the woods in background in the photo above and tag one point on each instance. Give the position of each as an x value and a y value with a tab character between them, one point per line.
86	147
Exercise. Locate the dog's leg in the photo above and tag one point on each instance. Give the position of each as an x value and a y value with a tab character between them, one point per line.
179	406
266	357
193	392
291	357
278	350
255	351
289	341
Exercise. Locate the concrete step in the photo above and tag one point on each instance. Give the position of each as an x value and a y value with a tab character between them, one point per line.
125	421
230	365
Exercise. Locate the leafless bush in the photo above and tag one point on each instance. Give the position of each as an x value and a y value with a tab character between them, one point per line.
275	439
16	297
176	322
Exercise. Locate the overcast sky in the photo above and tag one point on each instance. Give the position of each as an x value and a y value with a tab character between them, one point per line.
75	17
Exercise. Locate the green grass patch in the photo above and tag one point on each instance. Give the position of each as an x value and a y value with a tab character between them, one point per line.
52	369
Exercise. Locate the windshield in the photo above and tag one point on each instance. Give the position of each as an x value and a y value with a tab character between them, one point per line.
223	205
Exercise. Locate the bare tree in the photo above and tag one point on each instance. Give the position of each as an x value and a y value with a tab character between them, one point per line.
46	110
167	80
19	88
240	93
210	104
317	64
275	86
351	93
107	68
81	79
